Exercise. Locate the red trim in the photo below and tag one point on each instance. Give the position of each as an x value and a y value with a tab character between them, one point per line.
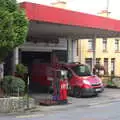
37	12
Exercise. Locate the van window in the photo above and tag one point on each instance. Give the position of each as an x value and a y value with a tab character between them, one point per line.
69	74
81	70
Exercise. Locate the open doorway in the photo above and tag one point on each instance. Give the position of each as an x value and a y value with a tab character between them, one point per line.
34	62
30	58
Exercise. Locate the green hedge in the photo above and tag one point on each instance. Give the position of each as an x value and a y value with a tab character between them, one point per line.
11	85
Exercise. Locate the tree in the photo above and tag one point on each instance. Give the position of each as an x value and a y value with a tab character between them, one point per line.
13	27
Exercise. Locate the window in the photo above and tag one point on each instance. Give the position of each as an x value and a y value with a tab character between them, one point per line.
106	65
113	66
88	61
97	60
69	75
116	45
104	44
81	70
90	44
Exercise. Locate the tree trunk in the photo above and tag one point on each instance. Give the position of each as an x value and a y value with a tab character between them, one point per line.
1	70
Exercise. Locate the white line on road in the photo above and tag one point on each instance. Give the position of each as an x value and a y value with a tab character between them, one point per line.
101	105
30	116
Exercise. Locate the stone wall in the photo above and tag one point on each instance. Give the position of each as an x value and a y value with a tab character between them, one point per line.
116	82
15	104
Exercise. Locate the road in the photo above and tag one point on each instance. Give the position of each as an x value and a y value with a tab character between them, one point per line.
110	111
104	107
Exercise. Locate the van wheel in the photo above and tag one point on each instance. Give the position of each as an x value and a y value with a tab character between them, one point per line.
77	92
96	95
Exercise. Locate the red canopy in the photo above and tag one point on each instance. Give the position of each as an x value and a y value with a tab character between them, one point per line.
46	20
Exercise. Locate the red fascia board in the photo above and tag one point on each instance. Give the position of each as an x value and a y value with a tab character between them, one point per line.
38	12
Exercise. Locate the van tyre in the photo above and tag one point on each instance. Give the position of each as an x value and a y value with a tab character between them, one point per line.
96	95
77	92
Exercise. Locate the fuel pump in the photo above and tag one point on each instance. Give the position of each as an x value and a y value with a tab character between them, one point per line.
60	86
63	87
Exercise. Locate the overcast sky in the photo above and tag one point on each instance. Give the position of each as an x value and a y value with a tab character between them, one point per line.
87	6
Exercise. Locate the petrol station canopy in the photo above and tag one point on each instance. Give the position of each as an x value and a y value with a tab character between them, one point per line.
51	22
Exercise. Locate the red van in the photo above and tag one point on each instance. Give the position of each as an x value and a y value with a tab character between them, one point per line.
81	81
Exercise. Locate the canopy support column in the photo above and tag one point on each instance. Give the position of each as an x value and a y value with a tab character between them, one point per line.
94	52
75	51
15	58
70	50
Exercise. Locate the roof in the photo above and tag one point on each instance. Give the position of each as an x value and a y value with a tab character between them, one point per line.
52	15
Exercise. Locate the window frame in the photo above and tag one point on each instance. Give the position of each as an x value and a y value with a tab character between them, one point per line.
113	65
117	45
104	44
106	60
90	44
98	60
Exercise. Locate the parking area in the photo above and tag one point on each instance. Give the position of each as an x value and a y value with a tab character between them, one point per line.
109	95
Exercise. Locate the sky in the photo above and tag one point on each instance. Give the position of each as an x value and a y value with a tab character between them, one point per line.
87	6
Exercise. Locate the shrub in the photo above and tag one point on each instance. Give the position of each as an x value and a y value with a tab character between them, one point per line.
21	70
13	85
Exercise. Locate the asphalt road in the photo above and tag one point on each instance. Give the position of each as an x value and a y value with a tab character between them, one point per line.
104	107
108	111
